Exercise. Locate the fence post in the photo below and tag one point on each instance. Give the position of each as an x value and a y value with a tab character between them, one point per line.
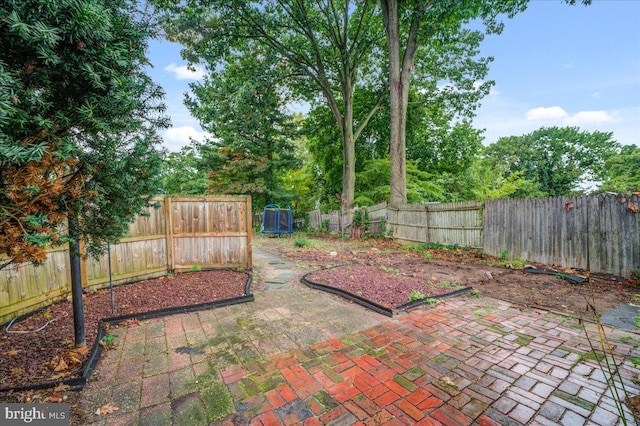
426	224
249	232
168	223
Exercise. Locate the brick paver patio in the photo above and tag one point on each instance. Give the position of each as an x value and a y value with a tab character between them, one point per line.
297	356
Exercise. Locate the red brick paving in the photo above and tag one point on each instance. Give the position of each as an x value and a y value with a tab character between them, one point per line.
464	362
452	375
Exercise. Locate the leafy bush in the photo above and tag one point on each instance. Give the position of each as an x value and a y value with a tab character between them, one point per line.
416	295
301	242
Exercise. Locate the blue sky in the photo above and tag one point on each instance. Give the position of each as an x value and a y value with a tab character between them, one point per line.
554	65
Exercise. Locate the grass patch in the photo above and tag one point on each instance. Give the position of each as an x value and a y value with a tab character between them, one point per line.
523	339
630	340
218	402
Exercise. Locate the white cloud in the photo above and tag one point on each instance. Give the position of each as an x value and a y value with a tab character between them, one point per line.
586	118
596	95
182	72
177	137
559	116
546	113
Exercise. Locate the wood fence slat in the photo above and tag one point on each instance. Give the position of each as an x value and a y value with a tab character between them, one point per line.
212	232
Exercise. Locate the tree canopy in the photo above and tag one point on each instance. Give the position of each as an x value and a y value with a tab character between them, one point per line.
557	160
243	107
622	171
78	121
323	50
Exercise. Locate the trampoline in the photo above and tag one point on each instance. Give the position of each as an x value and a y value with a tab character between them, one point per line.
276	220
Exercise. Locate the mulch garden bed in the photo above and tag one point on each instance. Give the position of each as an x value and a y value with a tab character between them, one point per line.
387	287
39	348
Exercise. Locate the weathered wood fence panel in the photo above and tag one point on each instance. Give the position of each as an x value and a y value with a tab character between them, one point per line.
597	233
409	223
378	218
210	232
140	254
600	233
23	286
614	237
458	223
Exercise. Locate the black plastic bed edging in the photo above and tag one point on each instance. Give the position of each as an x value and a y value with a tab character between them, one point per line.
573	279
347	295
372	305
77	383
415	303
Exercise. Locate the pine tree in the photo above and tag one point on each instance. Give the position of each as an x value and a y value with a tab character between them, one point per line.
78	122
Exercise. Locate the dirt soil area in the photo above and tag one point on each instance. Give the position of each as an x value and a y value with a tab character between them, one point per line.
39	348
387	273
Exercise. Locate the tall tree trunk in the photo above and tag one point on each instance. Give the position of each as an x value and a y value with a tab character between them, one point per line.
76	282
397	147
348	153
400	65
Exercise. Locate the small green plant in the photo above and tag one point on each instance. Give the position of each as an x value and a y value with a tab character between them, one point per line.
416	295
389	270
474	293
559	276
636	299
195	268
592	356
383	227
301	242
108	341
458	287
431	301
635	273
427	256
504	255
445	284
46	314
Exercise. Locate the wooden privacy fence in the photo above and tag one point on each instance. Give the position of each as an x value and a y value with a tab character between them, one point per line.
599	233
176	234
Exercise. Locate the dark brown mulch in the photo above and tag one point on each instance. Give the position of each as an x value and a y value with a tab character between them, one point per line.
387	287
28	356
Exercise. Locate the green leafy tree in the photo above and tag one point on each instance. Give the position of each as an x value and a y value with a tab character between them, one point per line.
374	181
243	106
182	173
557	160
426	40
78	121
326	50
622	171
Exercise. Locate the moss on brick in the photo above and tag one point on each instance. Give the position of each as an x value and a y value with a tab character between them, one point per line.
218	402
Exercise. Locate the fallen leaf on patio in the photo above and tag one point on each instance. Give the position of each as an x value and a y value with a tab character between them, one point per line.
55	397
447	381
107	409
61	387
